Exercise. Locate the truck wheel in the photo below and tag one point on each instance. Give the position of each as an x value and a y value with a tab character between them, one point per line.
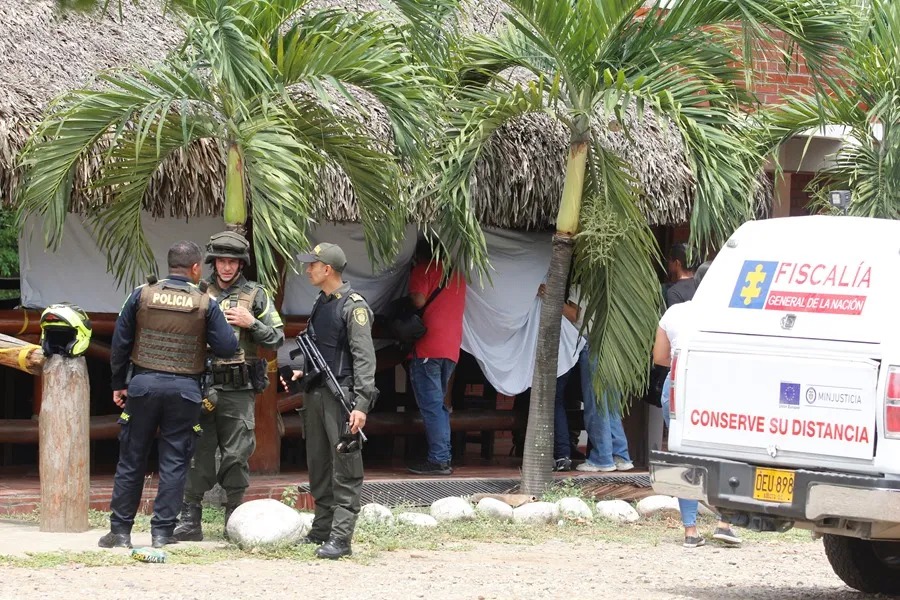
865	565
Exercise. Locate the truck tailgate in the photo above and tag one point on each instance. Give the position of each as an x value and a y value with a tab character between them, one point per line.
800	409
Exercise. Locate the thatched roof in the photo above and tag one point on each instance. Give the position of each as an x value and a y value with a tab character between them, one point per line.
517	185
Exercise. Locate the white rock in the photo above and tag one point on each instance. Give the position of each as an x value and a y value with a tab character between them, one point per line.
452	509
377	514
265	523
618	511
495	509
536	512
418	519
307	520
575	508
652	505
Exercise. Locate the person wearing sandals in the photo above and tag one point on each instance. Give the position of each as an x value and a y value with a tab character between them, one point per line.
675	320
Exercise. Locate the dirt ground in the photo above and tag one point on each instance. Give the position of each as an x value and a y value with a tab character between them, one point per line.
552	569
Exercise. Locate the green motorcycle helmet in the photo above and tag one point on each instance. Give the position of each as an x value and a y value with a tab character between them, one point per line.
228	244
65	329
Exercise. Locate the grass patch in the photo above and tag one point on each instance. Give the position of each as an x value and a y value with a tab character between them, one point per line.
373	539
213	520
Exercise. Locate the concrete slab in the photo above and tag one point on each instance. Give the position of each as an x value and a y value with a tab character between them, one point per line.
21	539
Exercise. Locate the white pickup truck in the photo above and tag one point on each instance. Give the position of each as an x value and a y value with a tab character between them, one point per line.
785	403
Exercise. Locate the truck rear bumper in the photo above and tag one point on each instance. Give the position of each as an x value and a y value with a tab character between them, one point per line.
818	495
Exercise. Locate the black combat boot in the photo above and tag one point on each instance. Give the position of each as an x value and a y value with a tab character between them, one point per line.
229	508
115	540
190	528
158	541
334	548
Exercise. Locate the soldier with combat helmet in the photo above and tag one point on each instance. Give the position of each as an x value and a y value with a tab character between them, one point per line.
228	424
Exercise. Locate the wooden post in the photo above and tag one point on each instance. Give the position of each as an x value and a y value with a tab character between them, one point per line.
266	458
38	396
21	355
65	446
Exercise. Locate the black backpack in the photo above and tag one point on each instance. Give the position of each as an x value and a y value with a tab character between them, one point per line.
404	322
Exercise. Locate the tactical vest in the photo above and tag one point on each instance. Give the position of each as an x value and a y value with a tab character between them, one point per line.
246	296
171	328
329	330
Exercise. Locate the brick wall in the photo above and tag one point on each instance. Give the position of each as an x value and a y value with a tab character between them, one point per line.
772	79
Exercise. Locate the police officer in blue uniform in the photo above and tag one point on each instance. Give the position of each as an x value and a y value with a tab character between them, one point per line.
162	333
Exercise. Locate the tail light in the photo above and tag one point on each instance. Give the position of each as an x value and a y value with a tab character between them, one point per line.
672	369
892	404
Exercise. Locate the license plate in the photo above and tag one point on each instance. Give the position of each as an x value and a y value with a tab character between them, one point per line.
773	485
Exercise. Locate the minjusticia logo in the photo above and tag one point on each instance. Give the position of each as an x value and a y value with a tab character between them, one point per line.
810	395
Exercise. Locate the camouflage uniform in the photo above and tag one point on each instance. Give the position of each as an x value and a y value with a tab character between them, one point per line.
229	427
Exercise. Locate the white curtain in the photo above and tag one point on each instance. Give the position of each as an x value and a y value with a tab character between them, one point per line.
499	327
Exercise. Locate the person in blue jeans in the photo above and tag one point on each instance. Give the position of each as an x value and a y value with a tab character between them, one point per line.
429	378
562	443
676	320
689	508
441	302
603	423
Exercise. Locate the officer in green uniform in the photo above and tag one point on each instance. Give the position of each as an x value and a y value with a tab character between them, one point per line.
229	424
341	325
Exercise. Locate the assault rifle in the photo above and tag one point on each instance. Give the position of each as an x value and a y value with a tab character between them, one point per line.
315	367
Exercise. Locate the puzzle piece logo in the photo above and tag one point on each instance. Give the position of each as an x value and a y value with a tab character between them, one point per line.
754	279
752	285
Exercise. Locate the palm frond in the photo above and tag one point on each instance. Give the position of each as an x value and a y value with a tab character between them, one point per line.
430	30
477	115
573	34
281	175
128	170
268	16
817	28
866	103
331	50
485	57
131	111
619	287
378	182
222	38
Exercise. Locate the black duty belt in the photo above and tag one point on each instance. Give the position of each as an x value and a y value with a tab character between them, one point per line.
235	375
136	370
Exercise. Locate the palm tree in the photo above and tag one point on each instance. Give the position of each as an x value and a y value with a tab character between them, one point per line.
260	80
865	99
591	64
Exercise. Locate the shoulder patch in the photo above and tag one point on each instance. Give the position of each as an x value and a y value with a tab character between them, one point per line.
356	297
361	315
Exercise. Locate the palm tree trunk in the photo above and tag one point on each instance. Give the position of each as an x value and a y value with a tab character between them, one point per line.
537	463
235	195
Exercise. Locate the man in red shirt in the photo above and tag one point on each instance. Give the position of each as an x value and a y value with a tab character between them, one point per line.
435	354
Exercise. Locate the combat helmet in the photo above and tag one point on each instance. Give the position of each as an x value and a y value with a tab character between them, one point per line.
65	329
228	244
